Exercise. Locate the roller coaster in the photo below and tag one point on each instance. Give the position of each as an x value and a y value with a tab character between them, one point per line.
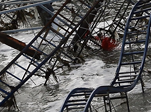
62	39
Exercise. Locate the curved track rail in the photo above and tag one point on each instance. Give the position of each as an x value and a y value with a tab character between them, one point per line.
49	47
133	54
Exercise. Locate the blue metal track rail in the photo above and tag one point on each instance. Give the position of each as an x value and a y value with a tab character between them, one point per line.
50	42
137	33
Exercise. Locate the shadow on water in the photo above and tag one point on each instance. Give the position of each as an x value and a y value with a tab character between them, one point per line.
108	57
139	102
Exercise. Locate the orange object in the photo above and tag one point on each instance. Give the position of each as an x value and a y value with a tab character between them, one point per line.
16	44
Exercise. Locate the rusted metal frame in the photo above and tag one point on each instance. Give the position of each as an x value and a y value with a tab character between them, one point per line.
85	3
52	29
46	33
61	36
39	50
30	59
61	51
21	30
39	68
89	37
35	62
108	11
43	29
98	18
21	2
74	13
26	70
67	19
84	25
26	77
73	19
44	37
61	27
86	15
121	15
84	32
55	45
120	25
35	70
25	7
84	43
119	10
16	44
79	7
48	43
50	12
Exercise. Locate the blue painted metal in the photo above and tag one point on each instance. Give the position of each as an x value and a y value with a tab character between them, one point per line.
53	46
124	81
22	30
31	5
14	2
27	6
51	13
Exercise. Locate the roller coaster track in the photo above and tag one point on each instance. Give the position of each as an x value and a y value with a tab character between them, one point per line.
133	54
50	48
